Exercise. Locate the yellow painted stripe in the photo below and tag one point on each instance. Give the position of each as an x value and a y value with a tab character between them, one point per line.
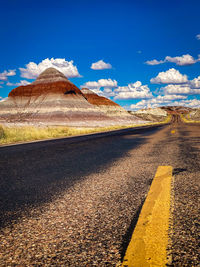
150	237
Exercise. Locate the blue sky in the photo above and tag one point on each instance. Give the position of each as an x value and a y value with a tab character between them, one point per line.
121	37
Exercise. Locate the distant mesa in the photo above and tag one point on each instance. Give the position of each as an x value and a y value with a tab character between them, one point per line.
54	100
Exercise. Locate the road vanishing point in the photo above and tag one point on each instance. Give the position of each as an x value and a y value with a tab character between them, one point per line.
128	198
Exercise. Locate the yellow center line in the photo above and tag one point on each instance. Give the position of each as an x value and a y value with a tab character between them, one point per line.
148	246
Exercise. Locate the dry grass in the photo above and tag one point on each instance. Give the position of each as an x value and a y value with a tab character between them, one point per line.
186	118
19	134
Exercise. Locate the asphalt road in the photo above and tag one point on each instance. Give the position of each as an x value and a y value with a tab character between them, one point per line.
76	204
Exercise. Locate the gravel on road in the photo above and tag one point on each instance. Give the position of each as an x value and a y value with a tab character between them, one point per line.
77	204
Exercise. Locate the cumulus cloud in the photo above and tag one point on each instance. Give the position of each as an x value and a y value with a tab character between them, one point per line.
195	83
154	62
148	103
190	88
183	60
166	98
108	92
198	36
100	65
22	82
102	87
109	83
140	105
108	88
32	69
133	91
158	101
177	89
172	76
192	103
4	75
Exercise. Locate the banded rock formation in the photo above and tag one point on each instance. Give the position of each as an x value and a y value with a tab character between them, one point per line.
53	100
104	104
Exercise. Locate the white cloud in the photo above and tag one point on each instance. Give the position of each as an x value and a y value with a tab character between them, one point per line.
157	101
108	92
154	62
133	91
176	89
190	88
148	103
32	69
22	82
172	76
106	84
195	83
4	75
11	73
183	60
198	36
109	83
167	98
140	105
192	103
100	65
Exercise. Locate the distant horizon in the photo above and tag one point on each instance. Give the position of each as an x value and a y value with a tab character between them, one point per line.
138	54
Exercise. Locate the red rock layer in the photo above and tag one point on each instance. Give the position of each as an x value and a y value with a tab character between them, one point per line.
95	99
59	87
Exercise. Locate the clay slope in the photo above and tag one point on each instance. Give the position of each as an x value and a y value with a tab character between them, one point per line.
194	114
106	105
150	114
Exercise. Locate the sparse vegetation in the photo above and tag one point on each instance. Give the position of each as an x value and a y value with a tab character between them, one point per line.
186	118
19	134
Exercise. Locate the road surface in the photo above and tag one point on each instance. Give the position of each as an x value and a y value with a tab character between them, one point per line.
77	204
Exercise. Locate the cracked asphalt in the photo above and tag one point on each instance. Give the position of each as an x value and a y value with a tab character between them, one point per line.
77	204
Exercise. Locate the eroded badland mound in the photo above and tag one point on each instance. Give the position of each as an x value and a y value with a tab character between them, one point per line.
53	100
151	114
106	105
